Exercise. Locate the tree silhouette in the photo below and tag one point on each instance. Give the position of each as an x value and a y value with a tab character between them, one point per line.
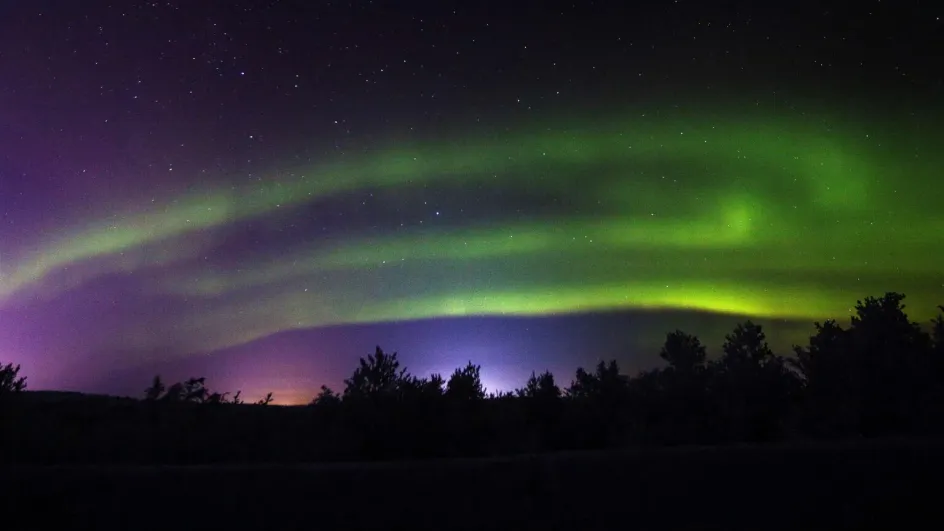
542	405
432	387
672	404
174	393
892	371
826	368
191	390
195	390
683	352
746	346
821	363
422	390
540	387
753	387
601	399
377	375
216	398
326	397
604	382
10	380
466	384
156	389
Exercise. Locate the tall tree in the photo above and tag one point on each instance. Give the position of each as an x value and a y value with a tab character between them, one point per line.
377	375
540	387
746	345
605	381
892	366
828	375
466	383
422	389
752	386
820	363
683	352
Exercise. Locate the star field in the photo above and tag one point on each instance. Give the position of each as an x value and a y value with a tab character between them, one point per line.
262	191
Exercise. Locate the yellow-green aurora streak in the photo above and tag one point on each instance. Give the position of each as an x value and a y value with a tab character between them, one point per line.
776	218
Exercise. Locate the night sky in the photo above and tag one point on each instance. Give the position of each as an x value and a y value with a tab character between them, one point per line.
259	192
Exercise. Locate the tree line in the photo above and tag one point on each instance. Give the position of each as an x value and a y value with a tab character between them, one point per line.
880	375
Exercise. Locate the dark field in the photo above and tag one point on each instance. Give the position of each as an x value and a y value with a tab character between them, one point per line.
876	484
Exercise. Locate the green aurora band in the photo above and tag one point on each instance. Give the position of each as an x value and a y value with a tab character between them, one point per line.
769	218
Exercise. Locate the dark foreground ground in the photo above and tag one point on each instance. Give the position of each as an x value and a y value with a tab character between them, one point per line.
879	485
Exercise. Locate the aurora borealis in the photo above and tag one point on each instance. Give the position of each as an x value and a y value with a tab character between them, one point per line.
512	240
